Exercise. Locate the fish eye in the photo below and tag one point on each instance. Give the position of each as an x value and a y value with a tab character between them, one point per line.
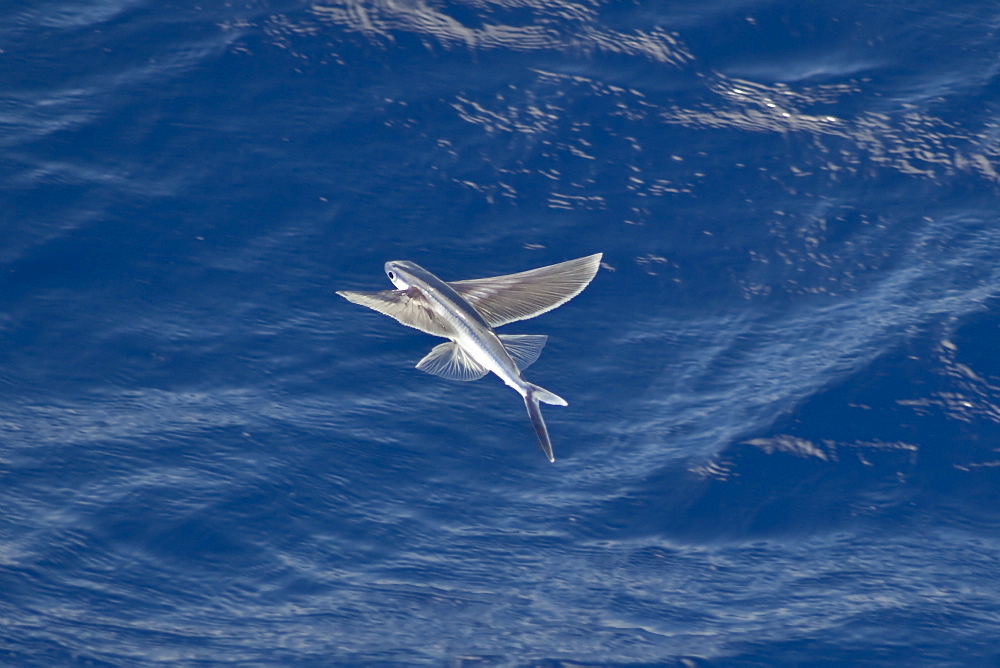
392	276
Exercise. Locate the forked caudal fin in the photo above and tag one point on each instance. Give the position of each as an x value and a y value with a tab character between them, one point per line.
545	396
531	399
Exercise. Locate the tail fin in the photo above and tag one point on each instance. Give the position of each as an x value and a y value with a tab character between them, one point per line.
545	396
531	399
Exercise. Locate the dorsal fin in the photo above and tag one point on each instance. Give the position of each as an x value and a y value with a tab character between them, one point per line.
524	349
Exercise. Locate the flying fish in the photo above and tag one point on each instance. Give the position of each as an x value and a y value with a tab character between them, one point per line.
466	313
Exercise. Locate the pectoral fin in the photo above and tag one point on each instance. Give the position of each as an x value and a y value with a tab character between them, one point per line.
448	360
504	299
524	348
407	306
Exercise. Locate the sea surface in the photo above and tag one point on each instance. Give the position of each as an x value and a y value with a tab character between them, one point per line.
782	444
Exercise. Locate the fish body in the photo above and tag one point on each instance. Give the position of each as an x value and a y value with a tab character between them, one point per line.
468	328
466	313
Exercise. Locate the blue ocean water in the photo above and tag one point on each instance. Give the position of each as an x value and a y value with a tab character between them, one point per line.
781	445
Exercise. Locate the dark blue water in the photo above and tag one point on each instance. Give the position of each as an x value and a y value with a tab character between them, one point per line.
781	445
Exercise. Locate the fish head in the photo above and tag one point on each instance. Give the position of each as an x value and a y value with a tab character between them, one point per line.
401	272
